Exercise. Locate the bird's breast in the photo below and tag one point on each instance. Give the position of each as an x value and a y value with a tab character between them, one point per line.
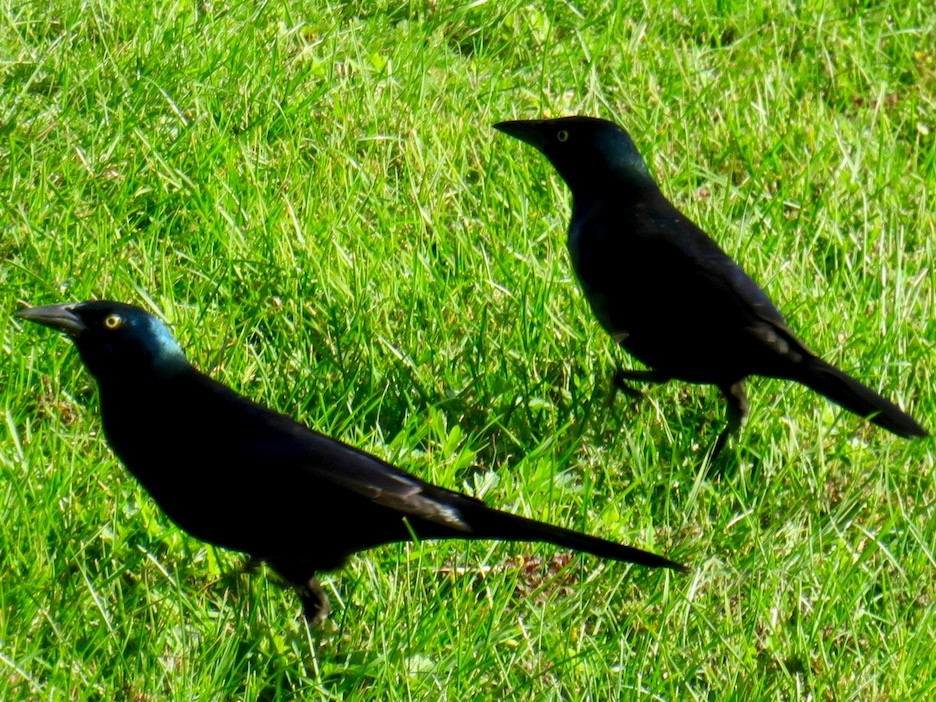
604	272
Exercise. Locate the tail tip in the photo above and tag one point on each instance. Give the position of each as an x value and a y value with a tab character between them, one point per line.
661	562
907	427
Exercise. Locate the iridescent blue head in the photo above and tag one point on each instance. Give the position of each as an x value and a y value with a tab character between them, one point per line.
589	153
117	342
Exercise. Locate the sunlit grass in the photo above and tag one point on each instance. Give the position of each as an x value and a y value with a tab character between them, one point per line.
315	200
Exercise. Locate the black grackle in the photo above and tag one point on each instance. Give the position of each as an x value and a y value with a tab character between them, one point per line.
238	475
666	292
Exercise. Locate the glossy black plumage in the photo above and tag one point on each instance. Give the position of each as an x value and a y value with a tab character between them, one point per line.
236	474
666	292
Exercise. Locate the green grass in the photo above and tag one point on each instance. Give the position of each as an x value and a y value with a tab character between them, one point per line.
313	197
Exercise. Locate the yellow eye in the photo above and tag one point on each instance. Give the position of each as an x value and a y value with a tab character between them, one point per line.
113	321
562	135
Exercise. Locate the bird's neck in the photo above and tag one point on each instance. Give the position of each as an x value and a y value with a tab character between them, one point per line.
601	192
144	405
609	183
137	382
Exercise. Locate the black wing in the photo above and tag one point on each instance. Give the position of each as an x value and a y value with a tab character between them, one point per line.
671	296
275	441
697	255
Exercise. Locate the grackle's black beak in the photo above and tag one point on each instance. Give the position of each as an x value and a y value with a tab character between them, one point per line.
527	130
59	317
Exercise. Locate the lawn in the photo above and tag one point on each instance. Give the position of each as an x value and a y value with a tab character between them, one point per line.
312	196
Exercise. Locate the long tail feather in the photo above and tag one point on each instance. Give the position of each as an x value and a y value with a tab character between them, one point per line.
503	526
847	392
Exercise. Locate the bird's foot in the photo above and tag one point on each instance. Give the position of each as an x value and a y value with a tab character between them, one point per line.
315	604
251	565
619	384
714	467
737	410
720	444
621	378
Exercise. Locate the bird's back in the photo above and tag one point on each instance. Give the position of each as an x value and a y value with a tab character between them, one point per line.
239	475
666	291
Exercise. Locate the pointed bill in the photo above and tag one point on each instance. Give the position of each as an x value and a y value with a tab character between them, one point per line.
526	130
59	317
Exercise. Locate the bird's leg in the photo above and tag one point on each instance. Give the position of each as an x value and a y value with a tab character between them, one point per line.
251	565
248	567
301	576
737	406
643	376
315	604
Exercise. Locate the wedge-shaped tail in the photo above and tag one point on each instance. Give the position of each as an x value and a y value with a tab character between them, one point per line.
847	392
503	526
